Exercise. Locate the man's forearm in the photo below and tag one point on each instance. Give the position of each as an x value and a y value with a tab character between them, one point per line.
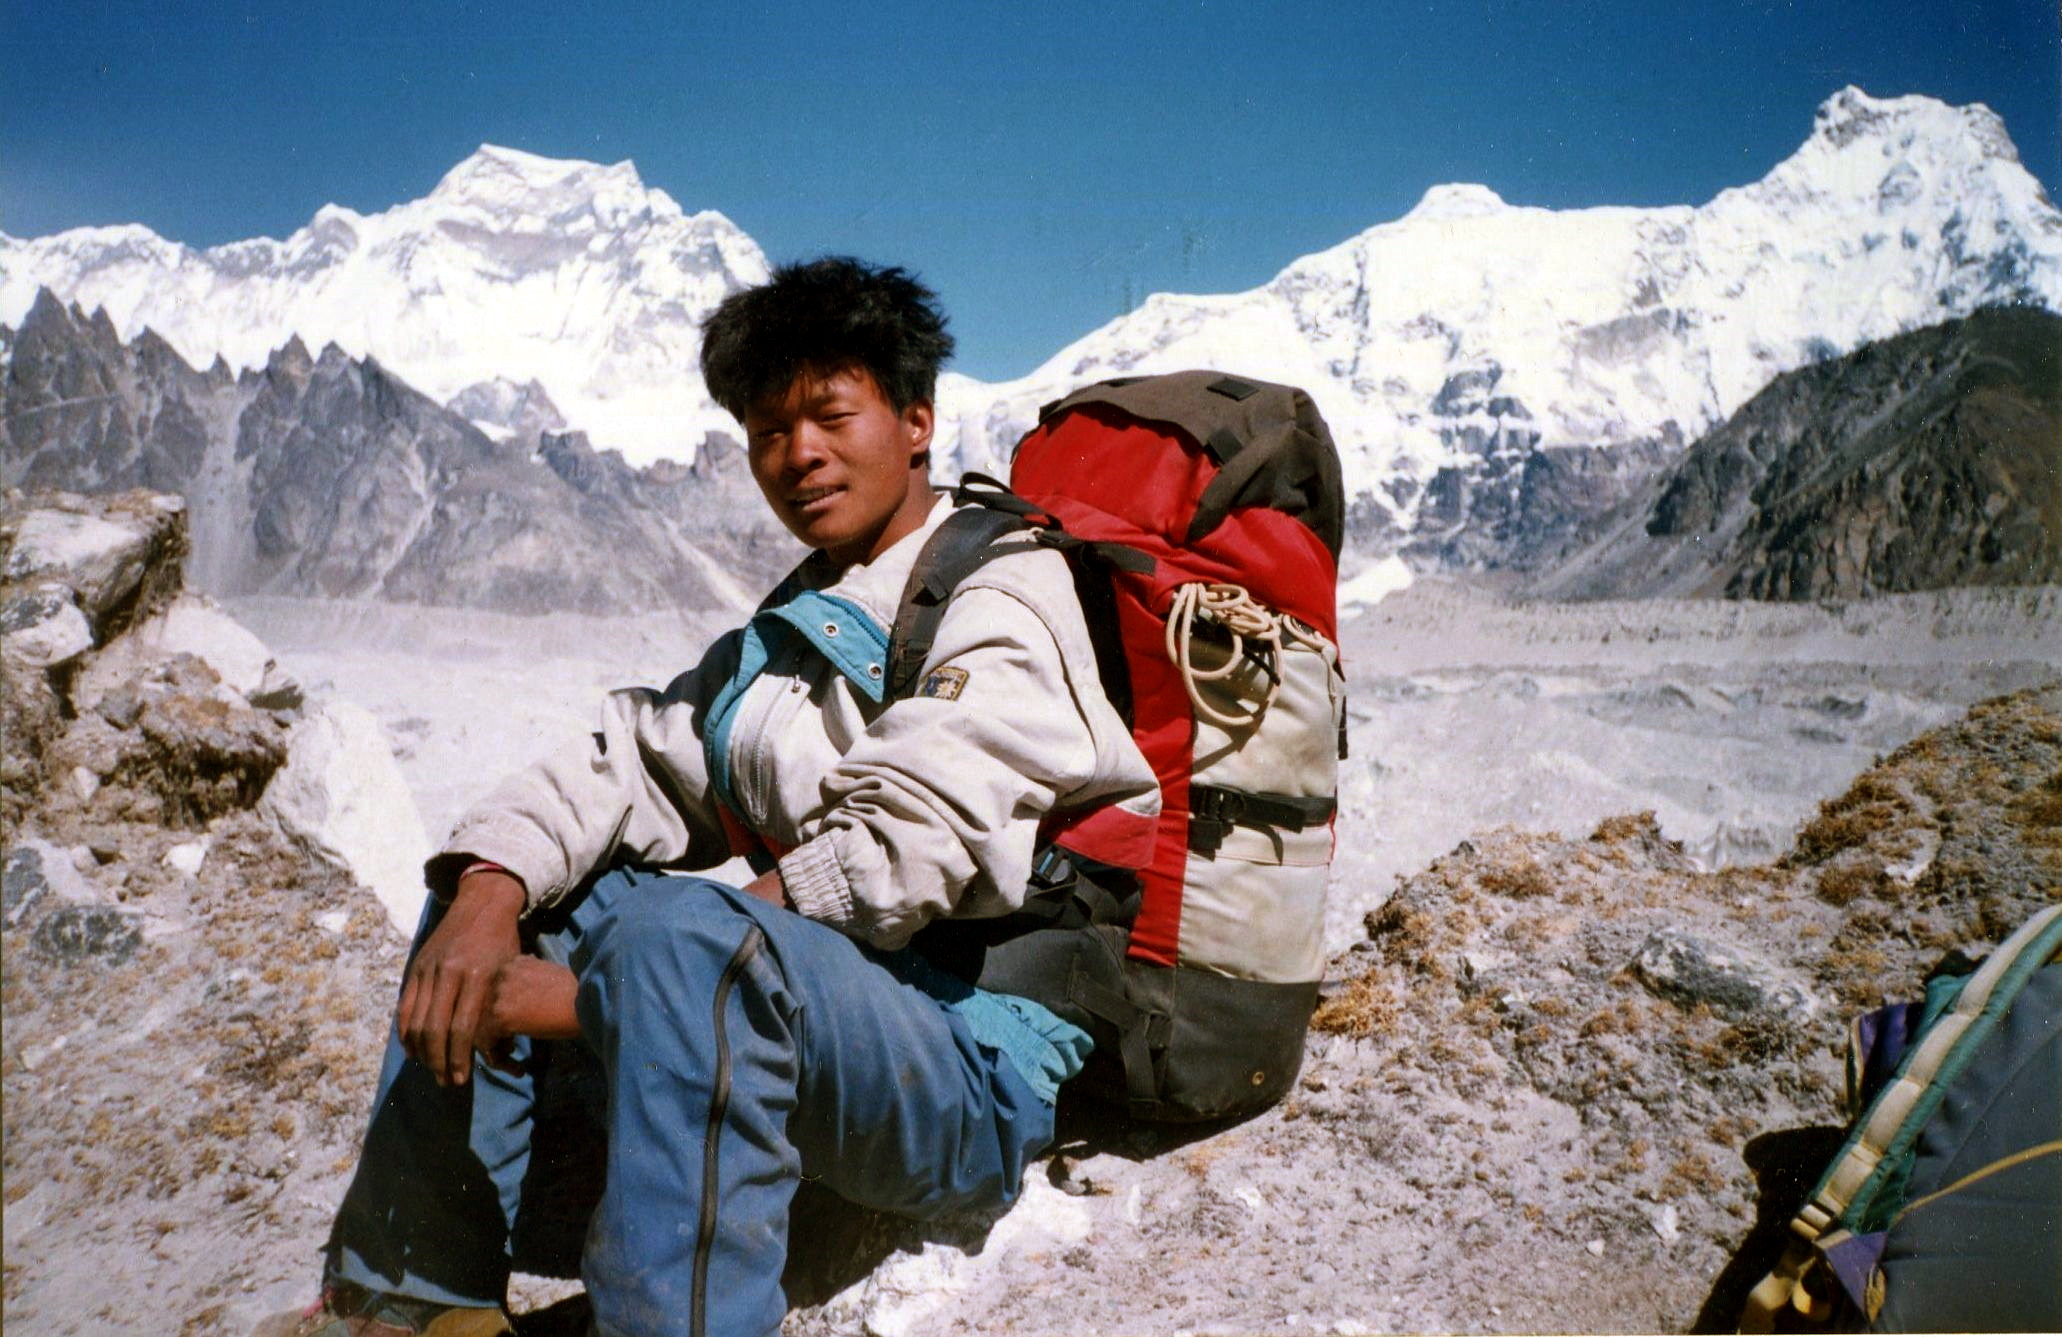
536	998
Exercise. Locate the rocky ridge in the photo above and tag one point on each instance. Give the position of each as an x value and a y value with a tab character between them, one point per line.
1927	460
323	474
196	978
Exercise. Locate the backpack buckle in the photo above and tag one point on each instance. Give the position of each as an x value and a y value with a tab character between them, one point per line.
1051	868
1212	814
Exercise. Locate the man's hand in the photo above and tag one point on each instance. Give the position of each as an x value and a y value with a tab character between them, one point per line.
451	985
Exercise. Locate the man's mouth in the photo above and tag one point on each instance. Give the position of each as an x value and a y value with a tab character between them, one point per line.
807	496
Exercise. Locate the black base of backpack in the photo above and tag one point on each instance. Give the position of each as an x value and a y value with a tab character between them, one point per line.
1172	1045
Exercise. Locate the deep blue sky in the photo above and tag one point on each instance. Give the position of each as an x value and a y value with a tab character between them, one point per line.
1039	164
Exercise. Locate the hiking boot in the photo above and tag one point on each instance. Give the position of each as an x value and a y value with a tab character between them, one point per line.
352	1311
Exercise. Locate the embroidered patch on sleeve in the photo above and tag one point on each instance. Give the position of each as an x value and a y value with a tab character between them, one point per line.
945	684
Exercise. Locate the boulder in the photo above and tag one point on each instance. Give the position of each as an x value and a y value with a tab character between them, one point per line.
193	624
39	873
119	554
43	626
68	918
31	715
72	934
341	797
204	755
22	883
1688	969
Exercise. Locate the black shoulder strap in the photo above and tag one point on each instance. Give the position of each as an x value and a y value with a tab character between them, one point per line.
955	549
965	542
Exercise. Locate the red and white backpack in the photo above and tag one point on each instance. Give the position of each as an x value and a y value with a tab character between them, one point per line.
1203	514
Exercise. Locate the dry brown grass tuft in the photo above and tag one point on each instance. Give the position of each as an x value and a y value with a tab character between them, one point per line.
1521	880
1871	806
1479	1015
2038	812
1691	1173
1528	934
1405	935
1365	1008
1847	882
1855	970
1729	1130
1622	1017
1627	826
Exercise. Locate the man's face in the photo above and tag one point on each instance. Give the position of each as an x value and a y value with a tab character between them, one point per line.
837	462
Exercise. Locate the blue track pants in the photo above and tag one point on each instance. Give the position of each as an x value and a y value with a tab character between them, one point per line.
730	1048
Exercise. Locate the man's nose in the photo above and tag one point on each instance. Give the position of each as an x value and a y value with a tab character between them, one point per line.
807	447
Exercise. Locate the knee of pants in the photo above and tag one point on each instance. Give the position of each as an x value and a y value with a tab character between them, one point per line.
674	934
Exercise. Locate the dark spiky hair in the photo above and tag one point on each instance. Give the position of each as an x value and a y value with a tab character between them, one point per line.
821	317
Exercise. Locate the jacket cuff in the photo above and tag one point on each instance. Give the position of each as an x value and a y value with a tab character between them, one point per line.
526	853
815	882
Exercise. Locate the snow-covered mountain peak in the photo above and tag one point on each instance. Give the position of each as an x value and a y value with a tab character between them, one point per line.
1851	115
1471	331
1898	156
1466	330
514	185
516	266
1454	201
112	244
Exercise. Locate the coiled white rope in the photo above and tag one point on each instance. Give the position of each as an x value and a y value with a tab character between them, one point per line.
1234	609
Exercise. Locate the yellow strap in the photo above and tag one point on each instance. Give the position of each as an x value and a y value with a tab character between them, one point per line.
1777	1290
2019	1157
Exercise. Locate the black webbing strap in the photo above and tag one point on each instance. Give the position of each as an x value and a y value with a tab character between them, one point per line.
980	489
957	547
1134	1033
1063	894
990	491
1214	811
1078	900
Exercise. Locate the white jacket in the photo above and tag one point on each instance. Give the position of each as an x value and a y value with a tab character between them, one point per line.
888	815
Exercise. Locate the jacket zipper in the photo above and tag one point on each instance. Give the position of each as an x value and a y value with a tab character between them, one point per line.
719	1107
765	712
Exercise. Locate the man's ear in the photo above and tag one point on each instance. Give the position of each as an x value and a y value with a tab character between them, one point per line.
920	418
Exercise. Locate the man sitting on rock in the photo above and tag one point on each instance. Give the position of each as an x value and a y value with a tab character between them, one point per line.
744	1037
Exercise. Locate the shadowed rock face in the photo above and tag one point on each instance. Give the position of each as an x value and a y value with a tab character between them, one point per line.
86	413
325	475
1511	504
1521	509
1928	460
